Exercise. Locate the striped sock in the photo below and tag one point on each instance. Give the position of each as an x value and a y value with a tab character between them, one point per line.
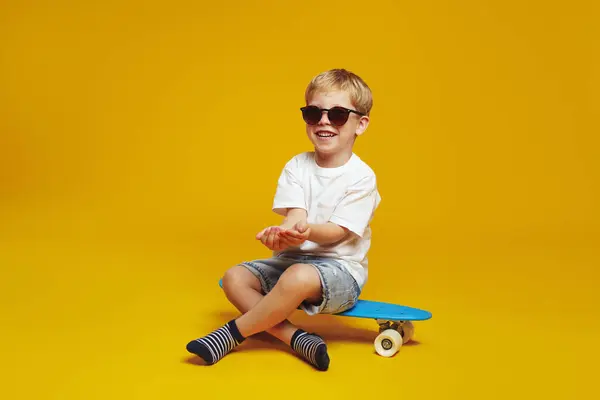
312	348
216	345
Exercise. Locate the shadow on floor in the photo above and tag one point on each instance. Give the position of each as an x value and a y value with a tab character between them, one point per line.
331	328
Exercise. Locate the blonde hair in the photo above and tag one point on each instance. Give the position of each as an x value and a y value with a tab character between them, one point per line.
341	79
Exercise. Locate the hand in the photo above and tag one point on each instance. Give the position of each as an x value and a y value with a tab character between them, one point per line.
270	237
278	238
297	235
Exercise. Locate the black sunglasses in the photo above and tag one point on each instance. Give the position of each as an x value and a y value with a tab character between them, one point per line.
338	116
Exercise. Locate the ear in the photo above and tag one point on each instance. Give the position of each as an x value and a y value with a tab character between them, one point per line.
363	123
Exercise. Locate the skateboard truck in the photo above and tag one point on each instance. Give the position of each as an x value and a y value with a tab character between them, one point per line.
392	335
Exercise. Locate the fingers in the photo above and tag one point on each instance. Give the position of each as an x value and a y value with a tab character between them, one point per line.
303	235
260	234
283	243
277	239
265	238
292	234
301	226
293	238
272	238
268	238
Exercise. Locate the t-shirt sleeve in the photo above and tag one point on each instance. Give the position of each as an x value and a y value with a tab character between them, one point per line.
290	192
356	208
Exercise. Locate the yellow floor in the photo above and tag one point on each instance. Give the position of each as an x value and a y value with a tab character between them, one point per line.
141	142
92	319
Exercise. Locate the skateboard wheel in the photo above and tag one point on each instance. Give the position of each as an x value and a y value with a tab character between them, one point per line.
408	331
388	343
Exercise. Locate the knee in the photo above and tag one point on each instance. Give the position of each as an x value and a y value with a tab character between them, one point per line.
239	276
300	278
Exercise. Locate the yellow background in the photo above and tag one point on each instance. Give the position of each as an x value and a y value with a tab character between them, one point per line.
140	143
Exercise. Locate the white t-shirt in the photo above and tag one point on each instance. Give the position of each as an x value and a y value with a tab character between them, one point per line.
345	195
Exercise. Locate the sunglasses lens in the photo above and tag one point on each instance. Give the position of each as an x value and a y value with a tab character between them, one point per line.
338	116
311	115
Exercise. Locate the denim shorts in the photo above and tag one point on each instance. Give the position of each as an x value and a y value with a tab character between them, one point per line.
340	290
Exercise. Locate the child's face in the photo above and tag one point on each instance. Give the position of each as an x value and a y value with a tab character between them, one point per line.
328	138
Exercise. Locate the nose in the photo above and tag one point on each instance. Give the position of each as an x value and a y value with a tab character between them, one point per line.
324	118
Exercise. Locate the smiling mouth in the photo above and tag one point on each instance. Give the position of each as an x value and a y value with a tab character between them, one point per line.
325	134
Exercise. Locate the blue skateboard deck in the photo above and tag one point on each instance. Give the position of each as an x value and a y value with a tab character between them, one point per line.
387	311
380	310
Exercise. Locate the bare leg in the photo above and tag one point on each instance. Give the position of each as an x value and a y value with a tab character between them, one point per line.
243	290
298	283
266	313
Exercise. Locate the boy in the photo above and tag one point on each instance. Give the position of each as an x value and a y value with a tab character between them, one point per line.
319	263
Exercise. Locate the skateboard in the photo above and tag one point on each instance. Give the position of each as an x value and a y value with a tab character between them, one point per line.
394	320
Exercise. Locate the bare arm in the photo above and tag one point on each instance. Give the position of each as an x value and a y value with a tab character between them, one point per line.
295	219
327	233
293	216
